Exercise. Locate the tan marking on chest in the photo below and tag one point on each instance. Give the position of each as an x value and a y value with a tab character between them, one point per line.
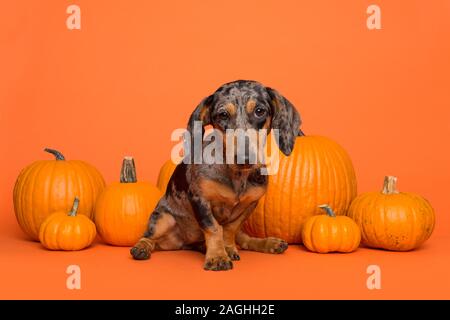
217	192
252	194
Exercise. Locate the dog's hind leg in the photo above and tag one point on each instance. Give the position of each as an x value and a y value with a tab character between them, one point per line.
162	234
266	245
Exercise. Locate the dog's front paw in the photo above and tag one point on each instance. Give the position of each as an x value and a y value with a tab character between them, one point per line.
140	252
275	245
218	263
233	253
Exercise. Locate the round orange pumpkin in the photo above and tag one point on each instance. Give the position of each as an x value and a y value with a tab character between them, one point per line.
164	175
330	233
318	171
393	220
47	186
67	231
123	208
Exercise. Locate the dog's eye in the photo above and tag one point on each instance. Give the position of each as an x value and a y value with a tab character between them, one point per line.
223	115
260	112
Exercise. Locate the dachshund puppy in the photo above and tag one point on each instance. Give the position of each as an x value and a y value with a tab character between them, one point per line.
205	204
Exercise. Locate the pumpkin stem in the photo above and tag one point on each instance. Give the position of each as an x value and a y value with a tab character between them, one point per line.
328	209
58	155
128	172
74	210
300	133
390	185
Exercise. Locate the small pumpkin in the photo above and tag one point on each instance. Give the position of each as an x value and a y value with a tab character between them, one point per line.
318	171
330	233
47	186
123	208
67	231
165	173
393	220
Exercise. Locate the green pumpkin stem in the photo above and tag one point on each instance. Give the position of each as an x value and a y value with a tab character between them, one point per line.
58	155
390	185
328	209
74	210
128	172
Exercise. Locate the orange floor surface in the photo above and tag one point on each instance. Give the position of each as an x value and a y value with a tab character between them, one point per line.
31	272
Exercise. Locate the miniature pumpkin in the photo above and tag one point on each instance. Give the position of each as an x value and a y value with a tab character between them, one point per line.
330	233
123	208
393	220
318	171
164	175
67	231
47	186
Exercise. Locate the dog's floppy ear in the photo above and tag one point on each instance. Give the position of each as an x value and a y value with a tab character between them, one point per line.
201	114
286	119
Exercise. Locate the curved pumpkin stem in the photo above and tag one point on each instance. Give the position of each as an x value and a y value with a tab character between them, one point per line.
58	155
128	172
300	133
74	210
390	185
328	209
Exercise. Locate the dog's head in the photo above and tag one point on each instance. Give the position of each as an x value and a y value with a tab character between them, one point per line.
248	105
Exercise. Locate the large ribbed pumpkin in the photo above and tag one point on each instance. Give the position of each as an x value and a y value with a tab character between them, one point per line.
123	208
318	171
164	175
393	220
48	186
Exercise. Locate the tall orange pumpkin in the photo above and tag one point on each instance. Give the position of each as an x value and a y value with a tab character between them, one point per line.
164	174
51	185
393	220
123	208
318	171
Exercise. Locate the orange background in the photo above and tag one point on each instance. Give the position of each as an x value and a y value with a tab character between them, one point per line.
135	71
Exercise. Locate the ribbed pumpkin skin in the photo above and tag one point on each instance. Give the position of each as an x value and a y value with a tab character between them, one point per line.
62	232
318	171
123	210
50	185
325	234
164	175
398	222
